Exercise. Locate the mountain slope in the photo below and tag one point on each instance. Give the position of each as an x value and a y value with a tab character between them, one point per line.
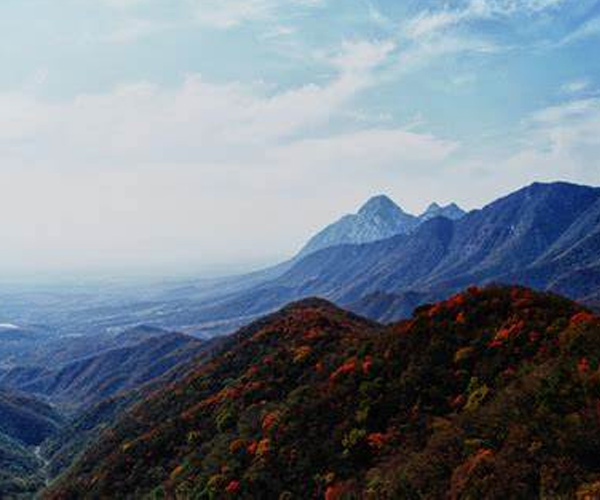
491	394
25	418
89	380
20	475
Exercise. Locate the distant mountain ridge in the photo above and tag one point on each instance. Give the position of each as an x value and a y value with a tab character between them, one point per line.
87	380
546	236
379	218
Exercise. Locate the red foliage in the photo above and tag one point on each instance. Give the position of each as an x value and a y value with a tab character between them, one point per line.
461	319
581	318
458	401
377	440
336	491
252	447
233	487
583	366
367	365
495	343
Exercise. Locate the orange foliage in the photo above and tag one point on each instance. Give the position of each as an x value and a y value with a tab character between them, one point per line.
313	334
461	319
348	367
269	421
456	301
301	353
435	310
581	318
263	447
237	445
462	474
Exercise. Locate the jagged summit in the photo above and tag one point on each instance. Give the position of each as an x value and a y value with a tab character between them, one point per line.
380	204
378	219
451	211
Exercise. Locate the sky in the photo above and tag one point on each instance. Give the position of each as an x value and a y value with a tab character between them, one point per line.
190	135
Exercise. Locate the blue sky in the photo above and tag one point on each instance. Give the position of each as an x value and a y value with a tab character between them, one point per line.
191	133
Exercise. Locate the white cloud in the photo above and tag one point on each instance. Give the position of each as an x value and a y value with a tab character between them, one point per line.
557	142
132	30
123	4
148	174
435	21
589	29
569	131
226	14
576	86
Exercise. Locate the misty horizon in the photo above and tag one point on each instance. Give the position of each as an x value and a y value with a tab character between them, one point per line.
140	135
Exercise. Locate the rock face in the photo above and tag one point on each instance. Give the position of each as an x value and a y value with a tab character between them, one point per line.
378	219
451	211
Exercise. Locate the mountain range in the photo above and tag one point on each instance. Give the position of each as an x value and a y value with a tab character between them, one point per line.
545	235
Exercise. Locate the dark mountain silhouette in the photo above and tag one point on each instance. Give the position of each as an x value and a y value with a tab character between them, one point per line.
490	394
25	418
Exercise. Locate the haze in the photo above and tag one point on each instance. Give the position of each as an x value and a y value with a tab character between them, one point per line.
197	134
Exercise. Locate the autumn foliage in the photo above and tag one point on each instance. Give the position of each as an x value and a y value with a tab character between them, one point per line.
494	393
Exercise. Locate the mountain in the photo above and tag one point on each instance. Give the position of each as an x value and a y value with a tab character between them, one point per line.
546	236
451	211
377	219
20	475
490	394
91	421
26	419
88	380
